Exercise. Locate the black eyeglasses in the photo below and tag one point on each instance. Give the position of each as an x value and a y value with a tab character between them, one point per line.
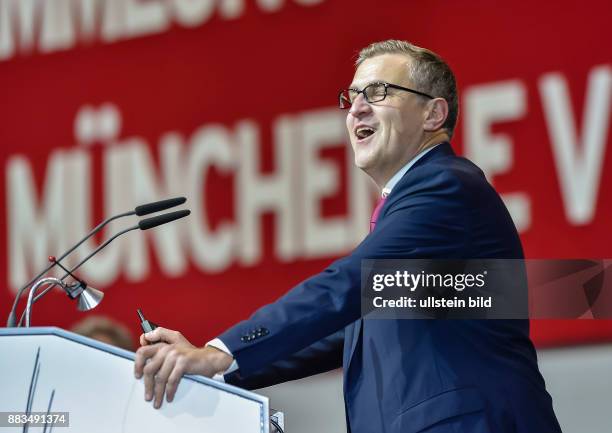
374	92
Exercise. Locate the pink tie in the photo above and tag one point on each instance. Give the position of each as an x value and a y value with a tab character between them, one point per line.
376	212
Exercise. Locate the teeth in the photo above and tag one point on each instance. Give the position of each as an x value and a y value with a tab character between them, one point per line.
363	132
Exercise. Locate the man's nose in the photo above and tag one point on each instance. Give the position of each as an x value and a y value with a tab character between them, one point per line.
360	106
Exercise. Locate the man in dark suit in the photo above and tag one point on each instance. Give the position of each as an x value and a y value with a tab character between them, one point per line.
399	375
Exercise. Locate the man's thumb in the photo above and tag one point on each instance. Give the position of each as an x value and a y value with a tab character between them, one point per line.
163	335
154	336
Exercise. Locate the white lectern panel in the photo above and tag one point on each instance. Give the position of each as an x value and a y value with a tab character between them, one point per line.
95	383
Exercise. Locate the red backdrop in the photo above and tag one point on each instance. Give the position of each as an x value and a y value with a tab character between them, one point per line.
142	103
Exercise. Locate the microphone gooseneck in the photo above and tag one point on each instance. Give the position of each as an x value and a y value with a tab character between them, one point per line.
11	319
139	210
78	265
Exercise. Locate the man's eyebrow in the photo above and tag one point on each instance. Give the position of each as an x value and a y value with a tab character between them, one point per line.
367	83
355	86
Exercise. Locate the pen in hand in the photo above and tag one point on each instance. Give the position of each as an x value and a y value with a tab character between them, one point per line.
146	325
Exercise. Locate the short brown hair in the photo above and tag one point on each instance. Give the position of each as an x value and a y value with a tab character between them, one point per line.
101	325
429	73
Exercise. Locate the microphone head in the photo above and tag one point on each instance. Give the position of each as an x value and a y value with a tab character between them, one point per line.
155	221
157	206
89	299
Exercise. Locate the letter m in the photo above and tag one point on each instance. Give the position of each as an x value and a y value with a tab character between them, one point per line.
34	231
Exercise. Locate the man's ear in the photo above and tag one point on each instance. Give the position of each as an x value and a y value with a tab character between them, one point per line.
436	114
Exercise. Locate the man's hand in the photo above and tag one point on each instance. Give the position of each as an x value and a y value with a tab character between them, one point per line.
165	356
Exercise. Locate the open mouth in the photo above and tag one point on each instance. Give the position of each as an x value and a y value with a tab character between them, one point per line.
364	132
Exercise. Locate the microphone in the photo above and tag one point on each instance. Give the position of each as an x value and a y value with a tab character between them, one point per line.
155	221
139	210
146	209
145	224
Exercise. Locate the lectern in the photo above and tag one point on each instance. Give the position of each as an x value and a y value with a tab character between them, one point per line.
50	369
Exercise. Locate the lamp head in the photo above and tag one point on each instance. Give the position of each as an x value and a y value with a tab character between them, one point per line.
87	297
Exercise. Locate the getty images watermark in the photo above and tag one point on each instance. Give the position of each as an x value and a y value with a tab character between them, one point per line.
486	289
423	280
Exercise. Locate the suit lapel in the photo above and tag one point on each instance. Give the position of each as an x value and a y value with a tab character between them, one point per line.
353	335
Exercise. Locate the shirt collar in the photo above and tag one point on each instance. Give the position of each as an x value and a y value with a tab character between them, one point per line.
397	176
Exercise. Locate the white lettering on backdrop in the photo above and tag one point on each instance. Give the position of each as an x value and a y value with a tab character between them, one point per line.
47	222
46	26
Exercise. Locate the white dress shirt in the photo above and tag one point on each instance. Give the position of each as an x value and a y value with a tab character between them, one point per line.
218	344
397	176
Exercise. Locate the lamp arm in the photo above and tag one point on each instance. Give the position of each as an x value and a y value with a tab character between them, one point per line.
47	280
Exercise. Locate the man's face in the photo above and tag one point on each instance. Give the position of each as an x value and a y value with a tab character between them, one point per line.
397	121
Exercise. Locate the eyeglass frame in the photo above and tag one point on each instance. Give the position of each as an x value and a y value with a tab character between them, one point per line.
386	85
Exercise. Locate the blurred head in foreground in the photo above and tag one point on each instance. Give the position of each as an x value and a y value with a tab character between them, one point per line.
106	330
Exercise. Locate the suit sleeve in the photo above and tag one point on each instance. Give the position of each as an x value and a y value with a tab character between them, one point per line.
425	220
321	356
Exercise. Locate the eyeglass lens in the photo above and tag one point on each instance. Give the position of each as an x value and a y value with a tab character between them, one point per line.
375	92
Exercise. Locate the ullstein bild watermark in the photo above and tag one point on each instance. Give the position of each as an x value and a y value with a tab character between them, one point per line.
486	289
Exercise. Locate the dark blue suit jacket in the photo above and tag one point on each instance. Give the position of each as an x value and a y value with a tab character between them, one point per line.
408	375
